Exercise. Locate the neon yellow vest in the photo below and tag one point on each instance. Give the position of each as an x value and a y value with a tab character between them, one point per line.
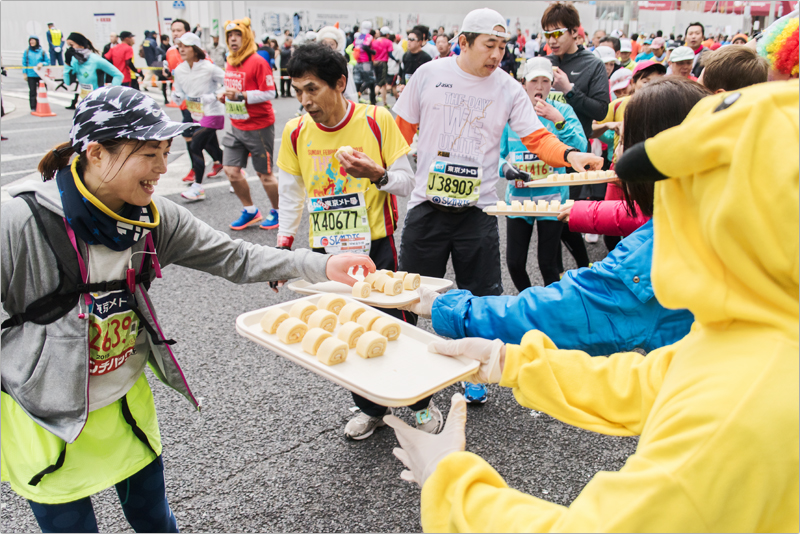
106	452
55	36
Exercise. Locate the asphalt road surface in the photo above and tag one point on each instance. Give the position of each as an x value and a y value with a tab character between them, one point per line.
267	451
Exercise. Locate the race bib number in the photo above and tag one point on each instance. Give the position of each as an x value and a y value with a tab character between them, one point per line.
113	329
530	163
195	107
339	223
86	88
454	185
236	109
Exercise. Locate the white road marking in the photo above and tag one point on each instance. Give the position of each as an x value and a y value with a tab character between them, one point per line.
5	158
28	171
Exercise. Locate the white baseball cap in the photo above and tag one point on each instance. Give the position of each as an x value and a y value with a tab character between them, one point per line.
625	45
606	54
616	33
483	21
189	39
682	53
620	79
366	25
538	66
386	30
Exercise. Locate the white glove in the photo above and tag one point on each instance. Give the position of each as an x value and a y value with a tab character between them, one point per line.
424	305
208	98
491	355
421	452
57	49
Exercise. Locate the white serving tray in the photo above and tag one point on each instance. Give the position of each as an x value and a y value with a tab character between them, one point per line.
405	374
559	183
376	298
491	210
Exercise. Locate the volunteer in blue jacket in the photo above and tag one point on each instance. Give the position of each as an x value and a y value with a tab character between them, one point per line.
603	310
34	56
85	64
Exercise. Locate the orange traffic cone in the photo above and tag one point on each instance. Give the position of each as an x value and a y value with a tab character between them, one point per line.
171	104
42	105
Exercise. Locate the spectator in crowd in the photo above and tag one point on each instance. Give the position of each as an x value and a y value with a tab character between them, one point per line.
286	55
578	75
415	57
34	56
635	46
606	55
335	39
165	43
218	52
695	33
153	57
54	39
739	39
681	61
581	38
443	46
599	34
620	83
658	50
122	58
265	50
382	46
733	67
113	40
427	46
624	54
532	47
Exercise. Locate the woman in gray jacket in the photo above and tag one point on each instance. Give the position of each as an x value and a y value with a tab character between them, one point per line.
78	254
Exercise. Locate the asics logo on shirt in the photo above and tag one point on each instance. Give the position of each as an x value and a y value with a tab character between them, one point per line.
442	84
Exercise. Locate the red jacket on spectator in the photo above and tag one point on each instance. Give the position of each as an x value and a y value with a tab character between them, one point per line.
605	217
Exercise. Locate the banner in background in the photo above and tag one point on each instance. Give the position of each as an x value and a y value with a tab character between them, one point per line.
104	25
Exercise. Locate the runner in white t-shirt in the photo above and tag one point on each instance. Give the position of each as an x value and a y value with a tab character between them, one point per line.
461	106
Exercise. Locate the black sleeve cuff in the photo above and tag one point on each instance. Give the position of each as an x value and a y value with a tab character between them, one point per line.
635	166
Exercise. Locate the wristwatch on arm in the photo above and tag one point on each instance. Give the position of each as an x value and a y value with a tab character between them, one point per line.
567	151
560	125
383	180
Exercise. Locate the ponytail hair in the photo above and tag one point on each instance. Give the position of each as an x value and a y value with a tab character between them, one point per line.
56	159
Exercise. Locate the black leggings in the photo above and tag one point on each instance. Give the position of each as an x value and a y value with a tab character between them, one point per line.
203	139
518	239
33	85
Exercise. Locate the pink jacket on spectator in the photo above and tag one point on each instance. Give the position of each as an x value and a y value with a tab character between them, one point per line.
605	217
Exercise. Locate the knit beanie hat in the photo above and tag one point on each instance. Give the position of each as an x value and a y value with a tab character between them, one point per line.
248	47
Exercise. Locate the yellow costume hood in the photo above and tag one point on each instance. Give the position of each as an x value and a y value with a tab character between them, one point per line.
248	47
726	222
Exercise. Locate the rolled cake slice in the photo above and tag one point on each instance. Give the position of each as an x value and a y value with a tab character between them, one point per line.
343	150
350	312
371	278
302	310
332	351
388	328
393	287
381	281
400	275
541	205
273	319
331	302
350	332
367	318
371	345
292	330
322	319
501	205
516	205
555	205
411	281
362	289
313	339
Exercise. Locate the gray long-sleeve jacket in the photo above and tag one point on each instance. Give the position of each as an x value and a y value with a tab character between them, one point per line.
590	96
45	368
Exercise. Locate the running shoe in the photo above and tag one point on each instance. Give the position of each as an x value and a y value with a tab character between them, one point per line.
196	192
189	177
215	171
474	393
363	426
246	219
429	420
271	222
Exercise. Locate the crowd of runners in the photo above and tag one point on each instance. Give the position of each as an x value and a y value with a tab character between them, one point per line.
696	302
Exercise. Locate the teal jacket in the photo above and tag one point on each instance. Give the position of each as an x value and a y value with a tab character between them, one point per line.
31	58
86	72
571	135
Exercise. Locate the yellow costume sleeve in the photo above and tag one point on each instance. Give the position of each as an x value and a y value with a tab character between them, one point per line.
610	395
610	115
287	158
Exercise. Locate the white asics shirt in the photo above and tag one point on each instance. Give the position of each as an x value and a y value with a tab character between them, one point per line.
462	117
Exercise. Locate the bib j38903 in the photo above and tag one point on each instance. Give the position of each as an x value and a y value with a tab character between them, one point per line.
454	184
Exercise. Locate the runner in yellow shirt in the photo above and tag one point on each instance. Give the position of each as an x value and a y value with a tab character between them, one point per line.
351	196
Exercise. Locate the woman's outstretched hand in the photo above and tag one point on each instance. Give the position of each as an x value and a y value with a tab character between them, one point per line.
339	264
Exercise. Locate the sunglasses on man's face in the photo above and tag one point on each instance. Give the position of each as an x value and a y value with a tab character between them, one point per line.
555	33
413	40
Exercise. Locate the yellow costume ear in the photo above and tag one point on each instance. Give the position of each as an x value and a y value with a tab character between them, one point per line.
246	21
